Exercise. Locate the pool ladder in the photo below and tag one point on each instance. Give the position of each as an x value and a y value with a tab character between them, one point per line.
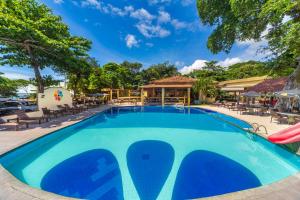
256	127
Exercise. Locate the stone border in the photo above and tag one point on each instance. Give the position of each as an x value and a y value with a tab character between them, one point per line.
13	189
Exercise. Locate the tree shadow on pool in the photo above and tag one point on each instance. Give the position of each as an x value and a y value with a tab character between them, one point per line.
94	174
149	163
204	174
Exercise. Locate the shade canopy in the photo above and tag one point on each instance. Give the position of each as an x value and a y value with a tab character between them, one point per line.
240	85
289	93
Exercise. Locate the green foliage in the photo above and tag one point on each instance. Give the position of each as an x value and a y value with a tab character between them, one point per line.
248	19
278	21
247	70
9	87
205	87
210	70
31	35
158	71
79	75
48	81
240	70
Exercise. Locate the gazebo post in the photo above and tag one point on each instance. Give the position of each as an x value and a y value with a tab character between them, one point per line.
142	96
111	94
162	96
118	94
189	96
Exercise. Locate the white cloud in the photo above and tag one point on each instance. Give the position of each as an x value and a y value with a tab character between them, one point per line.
151	31
131	41
148	24
163	17
186	2
254	50
153	2
92	3
58	1
198	64
142	15
16	75
230	61
178	24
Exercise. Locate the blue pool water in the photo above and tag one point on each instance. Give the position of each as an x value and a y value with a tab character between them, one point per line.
150	153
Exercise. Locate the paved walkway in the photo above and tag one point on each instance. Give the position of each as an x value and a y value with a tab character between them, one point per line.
272	127
11	139
13	189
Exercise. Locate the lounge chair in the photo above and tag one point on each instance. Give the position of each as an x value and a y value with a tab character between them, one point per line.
4	125
22	117
72	109
49	113
64	110
81	107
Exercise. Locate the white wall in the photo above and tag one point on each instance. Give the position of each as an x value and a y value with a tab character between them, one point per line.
49	100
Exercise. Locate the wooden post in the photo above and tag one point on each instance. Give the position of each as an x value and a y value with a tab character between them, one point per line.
129	93
189	96
142	96
118	94
110	94
162	96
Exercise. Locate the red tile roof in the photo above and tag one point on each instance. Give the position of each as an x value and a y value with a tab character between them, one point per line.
172	82
270	85
174	79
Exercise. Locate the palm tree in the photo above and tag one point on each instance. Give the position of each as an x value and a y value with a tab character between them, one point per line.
205	87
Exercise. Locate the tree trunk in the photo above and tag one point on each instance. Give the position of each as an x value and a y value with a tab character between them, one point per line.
36	68
39	79
294	79
201	96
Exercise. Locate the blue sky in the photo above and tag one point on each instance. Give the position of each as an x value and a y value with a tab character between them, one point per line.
146	31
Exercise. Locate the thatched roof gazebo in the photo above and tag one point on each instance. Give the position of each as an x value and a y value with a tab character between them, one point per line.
168	90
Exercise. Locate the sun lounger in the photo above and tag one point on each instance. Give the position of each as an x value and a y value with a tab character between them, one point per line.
72	109
4	125
22	117
49	113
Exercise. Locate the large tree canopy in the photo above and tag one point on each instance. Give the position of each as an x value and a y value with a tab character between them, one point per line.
250	19
31	35
277	21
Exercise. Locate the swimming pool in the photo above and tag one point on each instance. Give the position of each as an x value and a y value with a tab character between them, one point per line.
150	153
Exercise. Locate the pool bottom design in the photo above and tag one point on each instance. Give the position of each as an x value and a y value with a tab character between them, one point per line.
149	164
149	153
205	174
94	174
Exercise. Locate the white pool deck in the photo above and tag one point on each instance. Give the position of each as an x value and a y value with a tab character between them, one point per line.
13	189
272	127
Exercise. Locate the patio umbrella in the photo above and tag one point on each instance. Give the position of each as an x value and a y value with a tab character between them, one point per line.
288	93
251	94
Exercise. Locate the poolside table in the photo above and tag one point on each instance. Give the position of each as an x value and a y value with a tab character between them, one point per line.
291	116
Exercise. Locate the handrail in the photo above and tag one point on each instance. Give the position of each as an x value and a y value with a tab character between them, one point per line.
257	127
266	132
